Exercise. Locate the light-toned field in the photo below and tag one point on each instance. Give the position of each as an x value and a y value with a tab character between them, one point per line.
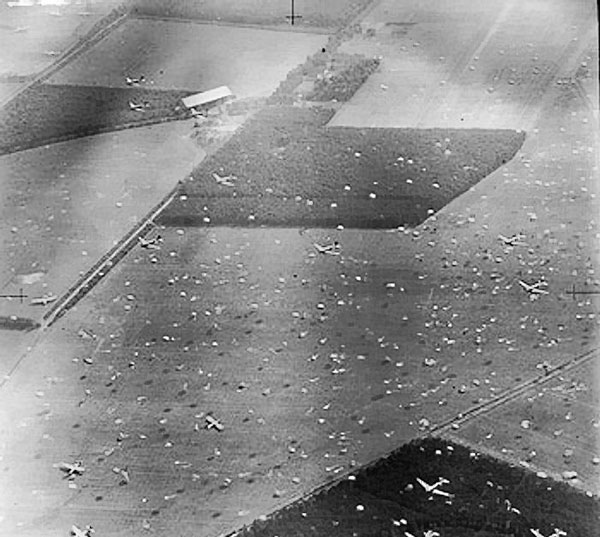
64	206
193	56
30	37
489	65
7	89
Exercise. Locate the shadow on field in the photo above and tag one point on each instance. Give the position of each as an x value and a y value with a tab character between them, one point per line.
18	323
476	495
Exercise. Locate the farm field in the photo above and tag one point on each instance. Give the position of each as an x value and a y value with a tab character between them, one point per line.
64	205
192	56
7	89
313	13
320	363
480	493
559	427
316	364
316	361
31	36
45	113
289	169
476	67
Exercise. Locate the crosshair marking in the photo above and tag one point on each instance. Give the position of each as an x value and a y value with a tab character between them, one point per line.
574	293
293	16
20	296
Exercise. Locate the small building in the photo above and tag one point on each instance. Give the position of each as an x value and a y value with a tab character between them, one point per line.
207	99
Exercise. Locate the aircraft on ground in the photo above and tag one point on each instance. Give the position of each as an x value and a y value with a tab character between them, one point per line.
224	181
150	244
434	489
534	289
214	423
85	532
134	81
72	469
515	240
137	107
557	533
43	300
329	249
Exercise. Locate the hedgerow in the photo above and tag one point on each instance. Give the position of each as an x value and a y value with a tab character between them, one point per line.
313	13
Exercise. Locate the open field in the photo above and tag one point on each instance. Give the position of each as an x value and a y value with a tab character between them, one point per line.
559	427
318	362
64	206
314	13
486	498
31	37
467	66
315	364
44	113
290	169
192	56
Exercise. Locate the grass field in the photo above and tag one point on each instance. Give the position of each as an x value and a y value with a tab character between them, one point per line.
62	206
464	65
45	113
315	13
192	56
30	37
292	170
489	499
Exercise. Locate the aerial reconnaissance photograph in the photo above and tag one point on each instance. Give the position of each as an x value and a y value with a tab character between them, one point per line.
299	268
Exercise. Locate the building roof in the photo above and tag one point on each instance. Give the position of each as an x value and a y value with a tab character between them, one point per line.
207	97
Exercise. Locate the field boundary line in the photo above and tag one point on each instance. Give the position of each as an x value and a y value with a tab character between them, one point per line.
514	393
436	430
253	26
85	283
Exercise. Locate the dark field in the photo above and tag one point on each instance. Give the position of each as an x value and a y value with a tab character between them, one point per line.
342	83
315	13
290	169
491	499
47	113
17	323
